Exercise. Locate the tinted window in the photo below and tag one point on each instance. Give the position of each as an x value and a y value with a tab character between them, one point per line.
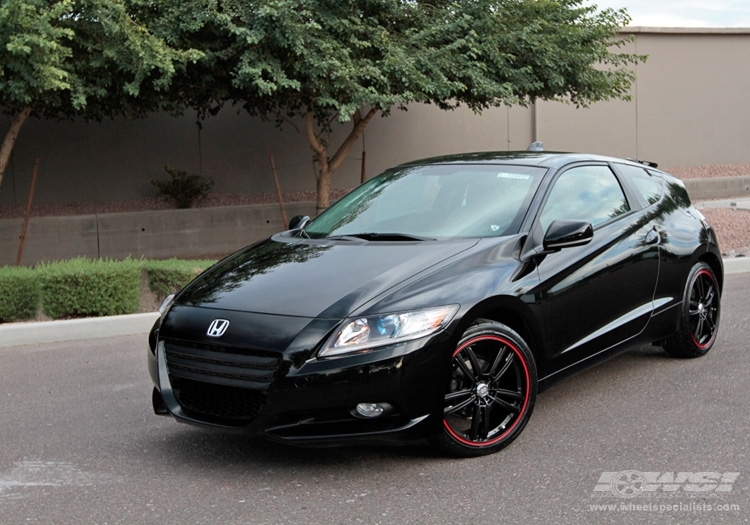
647	184
587	193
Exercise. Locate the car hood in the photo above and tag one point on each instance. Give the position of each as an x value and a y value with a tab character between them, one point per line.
313	278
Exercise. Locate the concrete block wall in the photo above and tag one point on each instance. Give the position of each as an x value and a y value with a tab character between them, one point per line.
718	188
49	238
160	234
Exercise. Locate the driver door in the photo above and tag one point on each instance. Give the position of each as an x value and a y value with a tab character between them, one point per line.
597	295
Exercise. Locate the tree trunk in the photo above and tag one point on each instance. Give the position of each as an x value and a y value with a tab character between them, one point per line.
324	189
327	167
10	139
324	171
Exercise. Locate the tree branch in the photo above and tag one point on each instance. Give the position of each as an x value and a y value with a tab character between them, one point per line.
311	136
284	118
326	128
351	140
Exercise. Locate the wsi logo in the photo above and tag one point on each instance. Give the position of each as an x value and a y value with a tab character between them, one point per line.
217	327
631	483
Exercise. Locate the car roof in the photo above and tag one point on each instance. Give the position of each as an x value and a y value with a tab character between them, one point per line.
546	159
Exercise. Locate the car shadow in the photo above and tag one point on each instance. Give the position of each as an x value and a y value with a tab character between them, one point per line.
211	448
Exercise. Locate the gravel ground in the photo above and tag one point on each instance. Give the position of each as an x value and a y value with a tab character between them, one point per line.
732	227
708	172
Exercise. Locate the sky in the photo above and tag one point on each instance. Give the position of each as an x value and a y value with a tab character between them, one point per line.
683	13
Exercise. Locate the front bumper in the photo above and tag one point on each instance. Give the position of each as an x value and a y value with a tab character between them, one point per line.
289	395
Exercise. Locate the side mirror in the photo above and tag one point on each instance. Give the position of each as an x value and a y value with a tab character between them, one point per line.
298	222
566	234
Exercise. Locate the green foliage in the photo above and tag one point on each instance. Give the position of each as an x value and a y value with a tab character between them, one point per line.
168	277
182	188
34	50
337	57
19	293
89	288
87	58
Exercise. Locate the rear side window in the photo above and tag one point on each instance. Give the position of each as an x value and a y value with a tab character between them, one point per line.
586	193
650	186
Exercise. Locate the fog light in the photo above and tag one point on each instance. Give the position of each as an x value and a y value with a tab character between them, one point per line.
370	410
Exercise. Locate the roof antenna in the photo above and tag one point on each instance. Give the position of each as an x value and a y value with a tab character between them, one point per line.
536	146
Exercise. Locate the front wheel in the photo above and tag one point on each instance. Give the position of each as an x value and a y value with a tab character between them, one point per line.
699	321
491	391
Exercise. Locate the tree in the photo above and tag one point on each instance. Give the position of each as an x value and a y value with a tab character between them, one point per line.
350	60
63	59
310	61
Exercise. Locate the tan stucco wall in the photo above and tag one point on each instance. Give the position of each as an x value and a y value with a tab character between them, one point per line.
691	106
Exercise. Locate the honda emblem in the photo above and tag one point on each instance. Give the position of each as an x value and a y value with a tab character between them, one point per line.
217	327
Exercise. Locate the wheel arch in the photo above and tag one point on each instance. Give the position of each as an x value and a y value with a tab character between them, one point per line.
512	312
716	266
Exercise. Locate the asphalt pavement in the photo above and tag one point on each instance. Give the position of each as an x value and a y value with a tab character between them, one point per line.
642	438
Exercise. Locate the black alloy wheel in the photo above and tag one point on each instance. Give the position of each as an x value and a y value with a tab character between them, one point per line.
491	391
700	315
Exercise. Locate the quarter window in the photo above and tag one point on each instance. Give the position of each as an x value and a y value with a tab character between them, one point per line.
649	185
586	193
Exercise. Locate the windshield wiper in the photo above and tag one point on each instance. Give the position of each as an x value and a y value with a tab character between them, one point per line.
372	236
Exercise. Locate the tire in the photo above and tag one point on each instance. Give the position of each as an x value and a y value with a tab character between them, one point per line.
491	391
699	319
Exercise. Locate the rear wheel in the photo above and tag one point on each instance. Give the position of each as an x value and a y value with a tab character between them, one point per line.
699	322
491	391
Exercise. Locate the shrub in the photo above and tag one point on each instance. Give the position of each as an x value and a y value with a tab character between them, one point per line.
182	188
89	288
168	277
19	294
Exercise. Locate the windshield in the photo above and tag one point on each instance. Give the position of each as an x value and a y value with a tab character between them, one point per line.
431	202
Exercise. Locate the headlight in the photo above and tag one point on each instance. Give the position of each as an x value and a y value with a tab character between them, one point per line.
366	333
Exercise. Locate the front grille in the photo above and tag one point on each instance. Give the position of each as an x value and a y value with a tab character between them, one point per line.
217	403
220	382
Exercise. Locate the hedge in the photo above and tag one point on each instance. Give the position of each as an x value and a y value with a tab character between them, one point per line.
90	287
19	294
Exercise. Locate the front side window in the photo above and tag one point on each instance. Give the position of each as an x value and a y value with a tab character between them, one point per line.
585	193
